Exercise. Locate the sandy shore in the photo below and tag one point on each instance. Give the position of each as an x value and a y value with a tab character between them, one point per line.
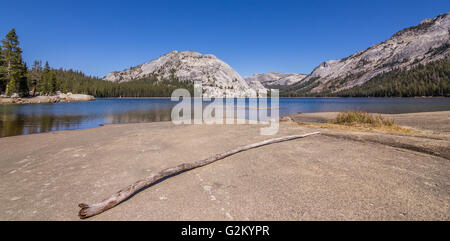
338	175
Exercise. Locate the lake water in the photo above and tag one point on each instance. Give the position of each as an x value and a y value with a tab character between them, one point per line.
37	118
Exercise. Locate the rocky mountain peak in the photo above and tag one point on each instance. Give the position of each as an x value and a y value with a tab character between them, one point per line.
216	75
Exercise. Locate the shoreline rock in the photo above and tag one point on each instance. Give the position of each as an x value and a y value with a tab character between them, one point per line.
59	97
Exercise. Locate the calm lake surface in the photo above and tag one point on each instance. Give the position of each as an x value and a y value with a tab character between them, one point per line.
37	118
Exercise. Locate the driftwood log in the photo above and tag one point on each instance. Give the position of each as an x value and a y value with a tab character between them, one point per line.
89	210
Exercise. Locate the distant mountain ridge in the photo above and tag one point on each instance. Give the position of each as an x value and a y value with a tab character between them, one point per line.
215	75
276	79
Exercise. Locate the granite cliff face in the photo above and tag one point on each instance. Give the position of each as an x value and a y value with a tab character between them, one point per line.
215	75
427	42
275	79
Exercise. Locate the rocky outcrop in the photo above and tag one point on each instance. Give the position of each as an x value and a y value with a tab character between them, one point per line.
77	97
215	75
427	42
59	97
276	79
254	84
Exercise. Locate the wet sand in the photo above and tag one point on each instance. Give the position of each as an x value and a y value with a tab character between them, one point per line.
338	175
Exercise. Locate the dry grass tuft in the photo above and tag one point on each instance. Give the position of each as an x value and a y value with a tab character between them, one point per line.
352	118
363	121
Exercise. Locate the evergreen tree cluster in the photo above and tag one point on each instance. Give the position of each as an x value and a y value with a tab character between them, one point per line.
48	81
431	79
149	86
13	70
43	80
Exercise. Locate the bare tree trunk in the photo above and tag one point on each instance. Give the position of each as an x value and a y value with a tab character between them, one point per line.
88	210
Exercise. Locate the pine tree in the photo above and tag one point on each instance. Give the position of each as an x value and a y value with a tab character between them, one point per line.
35	76
13	65
3	79
11	87
44	85
53	84
22	75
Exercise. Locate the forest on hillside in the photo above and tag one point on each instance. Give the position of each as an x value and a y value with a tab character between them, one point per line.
431	79
16	77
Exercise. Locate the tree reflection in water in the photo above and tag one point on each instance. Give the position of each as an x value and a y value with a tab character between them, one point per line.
19	124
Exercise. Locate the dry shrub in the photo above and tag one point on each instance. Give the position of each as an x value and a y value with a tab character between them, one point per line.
363	121
352	118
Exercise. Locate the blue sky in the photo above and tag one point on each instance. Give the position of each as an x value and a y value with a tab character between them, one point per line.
252	36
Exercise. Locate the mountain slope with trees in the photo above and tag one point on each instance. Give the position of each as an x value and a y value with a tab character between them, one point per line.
431	79
409	53
215	75
15	77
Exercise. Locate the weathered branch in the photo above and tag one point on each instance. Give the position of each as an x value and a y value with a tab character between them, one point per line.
88	210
